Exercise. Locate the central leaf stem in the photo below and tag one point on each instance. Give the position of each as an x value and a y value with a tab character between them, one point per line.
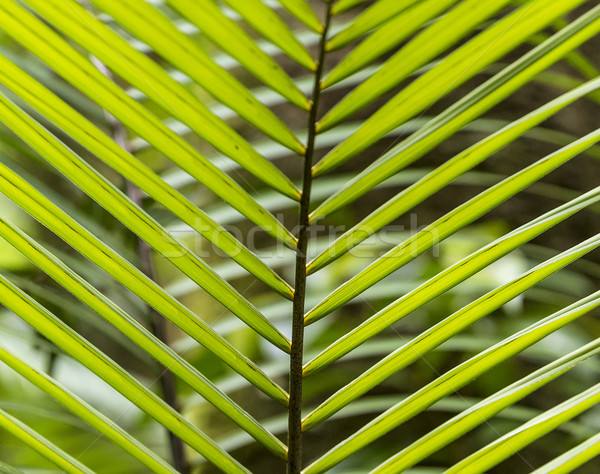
294	465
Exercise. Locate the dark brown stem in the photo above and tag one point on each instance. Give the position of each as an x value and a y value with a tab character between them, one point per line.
158	324
294	465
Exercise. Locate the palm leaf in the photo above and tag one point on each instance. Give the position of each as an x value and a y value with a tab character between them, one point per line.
483	410
177	48
87	413
529	432
573	458
447	383
46	448
130	129
466	109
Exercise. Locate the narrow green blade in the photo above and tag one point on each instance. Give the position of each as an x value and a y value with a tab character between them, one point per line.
157	31
88	135
51	48
434	336
507	445
484	410
342	6
6	469
448	224
49	215
380	12
443	175
460	114
453	71
40	444
81	350
454	379
137	220
206	15
71	18
86	293
87	413
302	10
447	279
572	459
267	23
418	52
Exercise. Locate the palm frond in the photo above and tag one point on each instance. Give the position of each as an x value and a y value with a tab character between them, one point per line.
131	129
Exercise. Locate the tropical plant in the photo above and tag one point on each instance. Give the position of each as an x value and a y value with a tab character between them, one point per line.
175	174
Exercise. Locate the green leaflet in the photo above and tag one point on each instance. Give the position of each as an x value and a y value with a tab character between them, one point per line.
380	12
26	29
156	30
302	10
206	15
267	23
448	224
87	413
81	350
342	6
484	410
40	444
49	215
147	76
6	469
429	339
128	166
138	221
78	312
450	170
377	404
474	104
459	376
411	57
572	459
505	446
453	71
138	334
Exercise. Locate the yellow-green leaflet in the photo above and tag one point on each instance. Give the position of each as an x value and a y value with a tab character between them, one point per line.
484	410
474	104
453	71
437	179
267	23
136	219
467	371
378	13
149	77
410	58
572	459
78	127
459	272
342	6
448	224
56	52
138	334
302	10
85	353
87	413
156	30
206	15
429	339
40	444
505	446
49	215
